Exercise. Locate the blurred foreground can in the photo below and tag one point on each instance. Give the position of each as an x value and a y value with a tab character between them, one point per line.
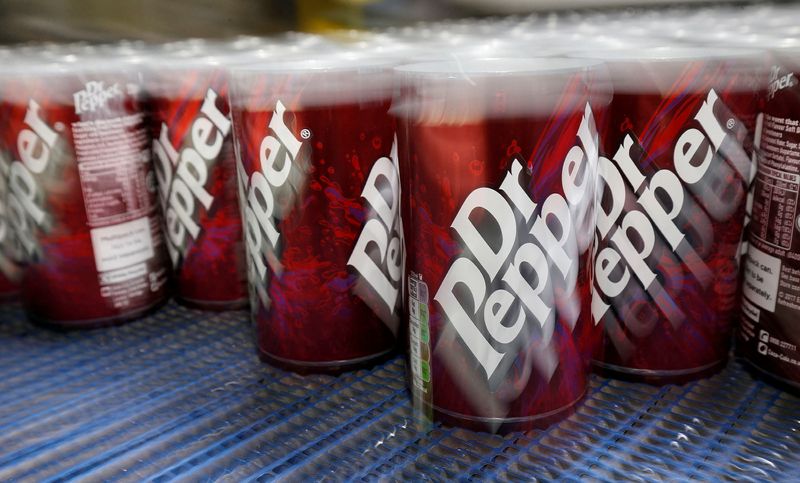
769	334
498	163
678	147
81	193
196	169
10	271
318	187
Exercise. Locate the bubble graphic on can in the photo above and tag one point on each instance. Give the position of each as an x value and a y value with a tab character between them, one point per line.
318	186
675	171
196	171
498	158
81	192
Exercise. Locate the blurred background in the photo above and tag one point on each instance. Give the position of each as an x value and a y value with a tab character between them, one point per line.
159	20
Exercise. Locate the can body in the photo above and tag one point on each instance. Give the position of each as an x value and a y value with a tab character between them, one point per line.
196	168
674	187
318	189
82	199
769	333
498	222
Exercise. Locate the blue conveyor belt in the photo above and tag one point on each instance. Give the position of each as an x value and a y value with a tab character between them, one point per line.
181	395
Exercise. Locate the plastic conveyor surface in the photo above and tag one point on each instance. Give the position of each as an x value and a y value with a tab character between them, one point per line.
181	395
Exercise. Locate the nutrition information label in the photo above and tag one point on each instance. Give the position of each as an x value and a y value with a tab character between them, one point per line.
112	155
777	184
771	283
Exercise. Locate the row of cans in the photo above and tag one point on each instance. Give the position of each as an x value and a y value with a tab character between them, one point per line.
514	203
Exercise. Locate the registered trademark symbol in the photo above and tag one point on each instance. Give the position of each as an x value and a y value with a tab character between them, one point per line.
731	123
59	126
305	134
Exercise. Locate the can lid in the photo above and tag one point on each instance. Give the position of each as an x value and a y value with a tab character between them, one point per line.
34	65
335	78
59	79
165	74
657	69
456	92
83	64
489	67
334	62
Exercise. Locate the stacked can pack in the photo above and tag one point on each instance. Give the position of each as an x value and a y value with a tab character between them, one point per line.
500	216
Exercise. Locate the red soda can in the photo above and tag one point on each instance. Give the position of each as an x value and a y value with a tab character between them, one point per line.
81	192
196	171
498	167
769	333
318	187
677	160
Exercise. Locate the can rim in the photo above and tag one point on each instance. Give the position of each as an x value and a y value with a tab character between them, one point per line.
670	53
69	64
334	62
497	66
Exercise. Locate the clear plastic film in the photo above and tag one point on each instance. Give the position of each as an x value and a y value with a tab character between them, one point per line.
500	158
